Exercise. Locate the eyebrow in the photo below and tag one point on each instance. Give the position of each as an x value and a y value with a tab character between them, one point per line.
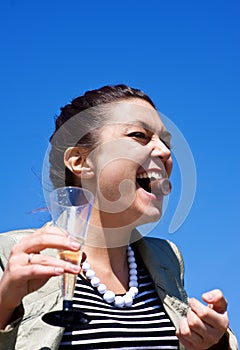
164	133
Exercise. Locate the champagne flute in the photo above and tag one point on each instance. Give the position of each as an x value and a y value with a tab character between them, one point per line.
70	208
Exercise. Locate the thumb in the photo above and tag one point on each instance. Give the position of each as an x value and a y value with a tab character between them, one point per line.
216	300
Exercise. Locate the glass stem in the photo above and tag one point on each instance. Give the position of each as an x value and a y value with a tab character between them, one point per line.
67	304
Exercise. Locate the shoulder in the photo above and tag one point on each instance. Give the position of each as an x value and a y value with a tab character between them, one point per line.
164	262
9	239
164	246
12	237
164	252
158	245
167	246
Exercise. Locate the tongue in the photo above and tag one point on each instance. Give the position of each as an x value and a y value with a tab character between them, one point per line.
162	186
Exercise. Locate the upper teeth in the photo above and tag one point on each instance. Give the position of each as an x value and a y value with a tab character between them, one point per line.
149	174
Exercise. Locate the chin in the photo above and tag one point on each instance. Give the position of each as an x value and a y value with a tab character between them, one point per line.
151	215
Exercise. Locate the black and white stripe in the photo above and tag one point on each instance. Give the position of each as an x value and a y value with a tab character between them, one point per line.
143	326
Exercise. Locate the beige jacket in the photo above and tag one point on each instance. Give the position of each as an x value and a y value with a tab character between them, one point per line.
162	259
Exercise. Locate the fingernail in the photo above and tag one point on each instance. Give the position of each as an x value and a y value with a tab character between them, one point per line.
208	296
75	268
75	245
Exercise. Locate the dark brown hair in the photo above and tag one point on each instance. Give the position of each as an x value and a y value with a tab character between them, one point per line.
82	124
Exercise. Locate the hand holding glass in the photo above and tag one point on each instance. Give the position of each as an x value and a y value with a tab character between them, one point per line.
70	208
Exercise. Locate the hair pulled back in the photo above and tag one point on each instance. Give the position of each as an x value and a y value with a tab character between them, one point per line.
78	125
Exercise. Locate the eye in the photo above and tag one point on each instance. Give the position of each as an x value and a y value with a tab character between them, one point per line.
139	135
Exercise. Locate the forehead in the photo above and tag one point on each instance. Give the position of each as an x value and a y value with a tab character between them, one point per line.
136	112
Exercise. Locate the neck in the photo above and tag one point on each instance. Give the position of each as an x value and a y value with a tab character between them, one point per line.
110	265
119	281
106	250
101	236
109	229
110	258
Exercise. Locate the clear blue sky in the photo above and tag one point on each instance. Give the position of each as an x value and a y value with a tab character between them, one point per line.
184	54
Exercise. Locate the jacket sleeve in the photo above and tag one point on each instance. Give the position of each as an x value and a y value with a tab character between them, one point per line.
180	260
26	329
232	340
8	336
229	340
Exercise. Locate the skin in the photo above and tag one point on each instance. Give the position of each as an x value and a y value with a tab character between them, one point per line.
204	325
21	278
127	148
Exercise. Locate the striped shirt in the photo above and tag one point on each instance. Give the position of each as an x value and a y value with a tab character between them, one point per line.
144	325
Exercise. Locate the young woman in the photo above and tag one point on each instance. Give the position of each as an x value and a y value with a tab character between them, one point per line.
112	142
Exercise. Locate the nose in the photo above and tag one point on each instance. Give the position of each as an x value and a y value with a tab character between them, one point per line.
162	152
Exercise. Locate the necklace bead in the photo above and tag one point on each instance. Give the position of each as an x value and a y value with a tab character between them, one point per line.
85	266
90	274
95	282
133	284
108	295
130	252
133	272
119	301
102	288
133	291
133	278
128	299
131	259
132	265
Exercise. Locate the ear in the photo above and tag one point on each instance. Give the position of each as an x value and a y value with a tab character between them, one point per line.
76	161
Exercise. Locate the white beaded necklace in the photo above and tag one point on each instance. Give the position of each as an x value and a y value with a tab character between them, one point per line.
109	296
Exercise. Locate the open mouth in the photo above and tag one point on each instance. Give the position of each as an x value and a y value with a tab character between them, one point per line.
145	179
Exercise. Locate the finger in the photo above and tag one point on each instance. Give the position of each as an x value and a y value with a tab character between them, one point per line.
54	230
37	242
209	334
51	230
208	315
196	324
34	272
216	300
187	336
45	260
195	334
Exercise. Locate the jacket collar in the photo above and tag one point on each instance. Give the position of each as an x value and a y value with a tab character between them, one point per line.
162	264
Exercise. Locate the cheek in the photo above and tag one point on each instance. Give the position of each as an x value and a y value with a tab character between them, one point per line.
116	186
117	179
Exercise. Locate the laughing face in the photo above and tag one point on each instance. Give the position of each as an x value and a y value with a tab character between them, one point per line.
134	151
